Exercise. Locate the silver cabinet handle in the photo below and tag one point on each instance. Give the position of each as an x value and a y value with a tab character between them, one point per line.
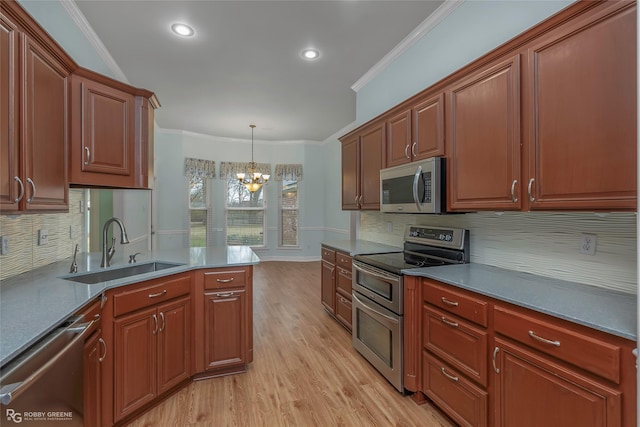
406	151
104	349
159	294
449	322
361	197
531	198
103	301
224	294
495	353
356	200
450	303
451	377
21	195
514	199
416	179
87	155
224	280
155	320
544	340
163	322
413	149
33	187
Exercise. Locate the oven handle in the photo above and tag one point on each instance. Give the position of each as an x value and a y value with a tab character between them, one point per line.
363	268
371	310
416	178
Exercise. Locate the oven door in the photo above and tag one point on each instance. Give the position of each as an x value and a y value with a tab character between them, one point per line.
377	335
378	285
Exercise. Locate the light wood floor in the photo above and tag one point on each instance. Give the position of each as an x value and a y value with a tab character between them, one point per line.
305	372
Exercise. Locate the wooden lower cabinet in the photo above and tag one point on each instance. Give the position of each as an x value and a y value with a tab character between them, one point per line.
225	332
93	349
328	293
532	390
336	284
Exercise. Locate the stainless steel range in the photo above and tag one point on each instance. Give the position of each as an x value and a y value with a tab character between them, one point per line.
378	292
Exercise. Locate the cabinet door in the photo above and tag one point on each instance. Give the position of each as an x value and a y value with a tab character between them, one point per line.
351	173
328	293
582	102
9	88
398	150
532	391
428	128
174	343
135	372
45	129
225	329
103	147
372	145
93	351
483	139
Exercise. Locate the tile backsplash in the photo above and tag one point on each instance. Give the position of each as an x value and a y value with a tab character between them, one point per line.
543	243
22	231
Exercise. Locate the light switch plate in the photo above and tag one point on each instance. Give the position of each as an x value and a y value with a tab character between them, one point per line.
4	245
588	244
73	231
43	237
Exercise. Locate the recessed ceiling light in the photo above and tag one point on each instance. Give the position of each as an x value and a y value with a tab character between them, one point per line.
311	54
182	30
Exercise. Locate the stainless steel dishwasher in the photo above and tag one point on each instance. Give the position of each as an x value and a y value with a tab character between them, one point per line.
43	386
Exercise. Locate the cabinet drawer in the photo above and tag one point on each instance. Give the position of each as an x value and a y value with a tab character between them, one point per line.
343	260
225	278
453	393
155	292
343	310
457	342
583	351
328	255
343	284
456	302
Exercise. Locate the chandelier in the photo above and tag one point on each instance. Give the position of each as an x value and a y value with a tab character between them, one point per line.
254	179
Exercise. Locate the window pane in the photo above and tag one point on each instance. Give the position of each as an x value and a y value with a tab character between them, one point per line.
239	197
197	193
197	227
245	227
289	214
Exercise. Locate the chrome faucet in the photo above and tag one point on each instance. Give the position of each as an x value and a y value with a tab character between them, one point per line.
107	254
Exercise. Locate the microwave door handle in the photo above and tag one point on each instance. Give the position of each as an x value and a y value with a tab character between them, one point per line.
416	179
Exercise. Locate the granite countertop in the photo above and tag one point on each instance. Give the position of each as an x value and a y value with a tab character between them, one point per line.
34	303
361	247
602	309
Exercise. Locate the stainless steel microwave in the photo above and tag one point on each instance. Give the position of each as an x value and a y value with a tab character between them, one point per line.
416	187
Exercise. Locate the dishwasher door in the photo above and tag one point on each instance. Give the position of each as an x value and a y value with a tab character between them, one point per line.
43	386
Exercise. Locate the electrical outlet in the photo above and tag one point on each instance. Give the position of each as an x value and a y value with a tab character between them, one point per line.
4	245
588	244
389	227
73	231
43	237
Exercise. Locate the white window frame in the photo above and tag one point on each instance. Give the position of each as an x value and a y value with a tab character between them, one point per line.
282	209
228	208
206	208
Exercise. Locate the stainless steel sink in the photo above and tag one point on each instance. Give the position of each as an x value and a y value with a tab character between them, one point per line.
119	273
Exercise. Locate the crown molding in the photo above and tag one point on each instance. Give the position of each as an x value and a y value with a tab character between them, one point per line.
420	31
85	28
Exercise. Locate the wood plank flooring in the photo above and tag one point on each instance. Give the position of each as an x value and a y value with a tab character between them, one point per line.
305	371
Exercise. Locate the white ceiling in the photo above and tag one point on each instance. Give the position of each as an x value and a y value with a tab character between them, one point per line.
243	66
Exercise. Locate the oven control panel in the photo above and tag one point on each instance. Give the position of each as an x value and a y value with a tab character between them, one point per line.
437	236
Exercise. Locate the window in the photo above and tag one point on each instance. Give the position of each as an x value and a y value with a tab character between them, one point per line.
288	213
245	215
198	212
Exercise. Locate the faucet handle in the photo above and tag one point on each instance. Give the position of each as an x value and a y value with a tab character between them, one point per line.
132	258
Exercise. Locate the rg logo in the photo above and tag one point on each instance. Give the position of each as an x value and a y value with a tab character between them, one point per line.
14	416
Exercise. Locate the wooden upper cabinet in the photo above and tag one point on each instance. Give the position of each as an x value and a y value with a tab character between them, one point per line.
483	139
351	173
103	142
582	114
372	144
416	133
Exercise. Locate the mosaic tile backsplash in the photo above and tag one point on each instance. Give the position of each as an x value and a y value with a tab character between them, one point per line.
22	231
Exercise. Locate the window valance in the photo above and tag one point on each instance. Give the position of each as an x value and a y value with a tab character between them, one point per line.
199	168
229	170
289	172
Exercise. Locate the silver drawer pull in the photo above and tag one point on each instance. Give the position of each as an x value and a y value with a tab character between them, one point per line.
104	349
87	155
224	294
155	321
33	190
495	353
159	294
224	280
449	322
451	303
451	377
21	195
544	340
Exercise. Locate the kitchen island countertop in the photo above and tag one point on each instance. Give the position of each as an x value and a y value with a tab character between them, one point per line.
36	302
598	308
